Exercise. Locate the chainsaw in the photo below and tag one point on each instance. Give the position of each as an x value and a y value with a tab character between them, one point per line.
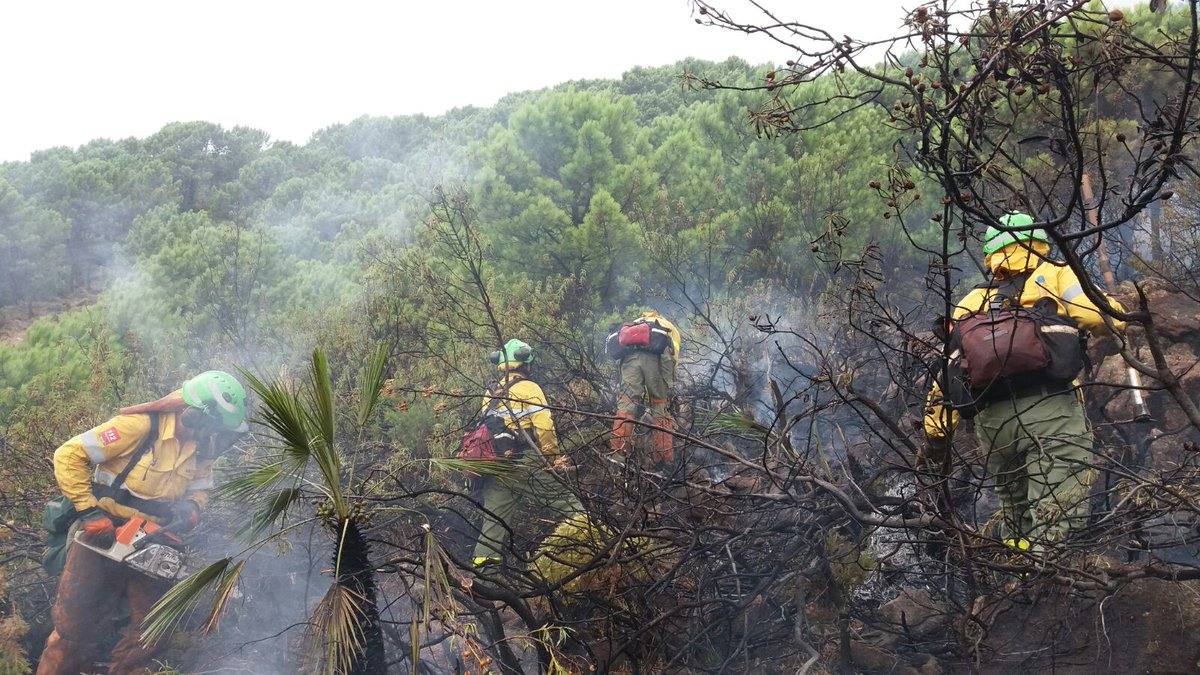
146	547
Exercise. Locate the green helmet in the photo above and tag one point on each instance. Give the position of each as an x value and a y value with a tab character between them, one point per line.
995	238
515	353
219	395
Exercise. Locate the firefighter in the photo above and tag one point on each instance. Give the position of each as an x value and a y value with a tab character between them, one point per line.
1036	438
647	370
168	483
531	456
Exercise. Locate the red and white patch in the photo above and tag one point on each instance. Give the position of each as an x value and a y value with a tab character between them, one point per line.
110	436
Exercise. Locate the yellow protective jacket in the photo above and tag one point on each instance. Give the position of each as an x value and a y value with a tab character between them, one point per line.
524	407
676	337
169	472
1048	280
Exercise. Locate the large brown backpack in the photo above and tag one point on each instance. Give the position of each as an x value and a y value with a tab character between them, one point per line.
1007	349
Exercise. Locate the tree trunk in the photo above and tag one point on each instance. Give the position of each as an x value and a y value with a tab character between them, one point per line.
358	575
1156	238
1091	209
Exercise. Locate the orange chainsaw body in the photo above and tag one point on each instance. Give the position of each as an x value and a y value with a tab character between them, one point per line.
160	560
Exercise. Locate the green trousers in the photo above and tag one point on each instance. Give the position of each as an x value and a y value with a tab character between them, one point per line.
1039	453
649	375
534	491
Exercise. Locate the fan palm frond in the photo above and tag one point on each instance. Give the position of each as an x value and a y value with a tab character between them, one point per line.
224	593
371	382
737	422
282	411
181	600
322	418
267	511
336	628
302	420
483	467
252	481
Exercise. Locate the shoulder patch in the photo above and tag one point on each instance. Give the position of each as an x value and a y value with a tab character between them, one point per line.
110	436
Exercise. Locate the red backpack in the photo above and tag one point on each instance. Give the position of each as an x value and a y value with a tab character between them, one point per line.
641	335
634	335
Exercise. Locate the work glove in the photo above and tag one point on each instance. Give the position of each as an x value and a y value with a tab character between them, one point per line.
185	516
561	464
97	527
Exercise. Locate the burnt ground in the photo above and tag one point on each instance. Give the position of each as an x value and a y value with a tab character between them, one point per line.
1146	627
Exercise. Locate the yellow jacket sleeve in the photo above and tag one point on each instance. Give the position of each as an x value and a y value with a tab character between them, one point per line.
73	460
1064	287
939	420
115	508
676	336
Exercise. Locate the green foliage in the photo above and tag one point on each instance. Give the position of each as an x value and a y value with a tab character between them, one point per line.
186	595
33	246
61	363
220	234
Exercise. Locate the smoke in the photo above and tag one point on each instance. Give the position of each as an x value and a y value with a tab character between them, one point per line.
260	632
258	291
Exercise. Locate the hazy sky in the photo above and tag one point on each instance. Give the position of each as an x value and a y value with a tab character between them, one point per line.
75	71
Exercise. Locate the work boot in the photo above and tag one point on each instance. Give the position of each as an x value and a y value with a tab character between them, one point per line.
1019	544
662	439
482	561
622	433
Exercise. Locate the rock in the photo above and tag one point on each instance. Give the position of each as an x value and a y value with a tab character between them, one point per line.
873	659
924	664
1110	400
1181	359
1146	627
1112	380
742	483
1108	392
1174	312
917	609
1174	315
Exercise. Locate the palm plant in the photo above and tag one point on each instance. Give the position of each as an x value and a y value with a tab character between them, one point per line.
304	461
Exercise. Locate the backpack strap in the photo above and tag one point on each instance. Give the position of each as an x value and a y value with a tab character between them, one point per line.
146	445
1009	288
499	394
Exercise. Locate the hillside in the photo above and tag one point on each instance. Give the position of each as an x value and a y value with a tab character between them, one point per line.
769	473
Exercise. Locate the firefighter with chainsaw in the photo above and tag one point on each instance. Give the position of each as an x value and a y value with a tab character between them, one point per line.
1016	346
151	463
516	430
648	351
